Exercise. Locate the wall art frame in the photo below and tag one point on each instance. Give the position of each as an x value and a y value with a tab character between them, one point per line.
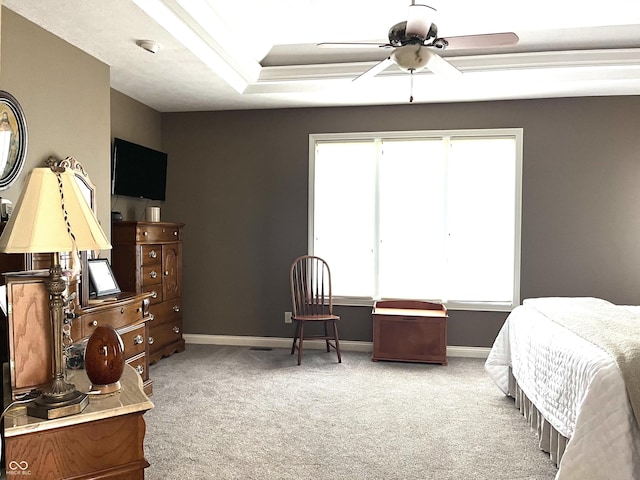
13	139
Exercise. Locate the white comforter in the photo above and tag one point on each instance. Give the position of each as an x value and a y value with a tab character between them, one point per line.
579	390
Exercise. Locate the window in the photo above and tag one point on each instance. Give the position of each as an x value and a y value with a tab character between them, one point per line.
419	215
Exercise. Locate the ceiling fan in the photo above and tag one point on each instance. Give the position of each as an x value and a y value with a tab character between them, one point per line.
415	44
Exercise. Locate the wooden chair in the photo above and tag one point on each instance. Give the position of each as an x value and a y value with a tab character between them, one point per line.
311	301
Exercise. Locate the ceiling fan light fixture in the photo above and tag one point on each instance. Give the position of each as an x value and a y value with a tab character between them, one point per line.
416	44
411	58
419	20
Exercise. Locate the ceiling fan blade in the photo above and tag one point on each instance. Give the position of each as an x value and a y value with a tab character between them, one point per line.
352	45
376	69
487	40
440	66
419	20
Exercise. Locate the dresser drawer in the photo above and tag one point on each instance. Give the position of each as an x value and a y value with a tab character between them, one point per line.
134	339
147	233
165	312
151	275
164	334
139	363
150	254
156	293
119	316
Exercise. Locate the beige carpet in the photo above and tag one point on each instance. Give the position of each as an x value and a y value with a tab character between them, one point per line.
236	413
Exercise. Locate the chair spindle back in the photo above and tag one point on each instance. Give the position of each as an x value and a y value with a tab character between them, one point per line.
310	286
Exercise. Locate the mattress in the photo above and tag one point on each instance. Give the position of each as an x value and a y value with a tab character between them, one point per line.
579	390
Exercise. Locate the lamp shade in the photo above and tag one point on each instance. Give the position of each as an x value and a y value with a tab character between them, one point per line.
48	216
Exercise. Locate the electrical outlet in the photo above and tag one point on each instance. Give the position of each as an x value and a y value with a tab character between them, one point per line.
287	317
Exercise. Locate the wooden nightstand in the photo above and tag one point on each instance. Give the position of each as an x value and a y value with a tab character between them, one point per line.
410	331
105	441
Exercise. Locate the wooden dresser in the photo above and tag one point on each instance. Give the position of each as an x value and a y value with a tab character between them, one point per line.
147	257
130	315
105	441
28	336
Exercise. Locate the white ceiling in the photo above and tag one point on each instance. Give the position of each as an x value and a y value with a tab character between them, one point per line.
263	54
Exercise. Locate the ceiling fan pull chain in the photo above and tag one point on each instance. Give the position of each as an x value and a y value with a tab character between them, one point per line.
411	91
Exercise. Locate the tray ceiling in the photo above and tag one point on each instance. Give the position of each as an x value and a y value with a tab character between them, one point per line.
222	55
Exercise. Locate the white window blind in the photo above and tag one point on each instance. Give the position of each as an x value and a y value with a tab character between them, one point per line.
419	215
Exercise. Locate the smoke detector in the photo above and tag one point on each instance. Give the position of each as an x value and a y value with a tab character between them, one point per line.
149	45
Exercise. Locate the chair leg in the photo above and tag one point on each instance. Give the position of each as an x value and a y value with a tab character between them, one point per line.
326	334
300	342
335	335
295	337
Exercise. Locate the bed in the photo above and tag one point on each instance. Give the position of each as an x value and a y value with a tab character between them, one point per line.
577	394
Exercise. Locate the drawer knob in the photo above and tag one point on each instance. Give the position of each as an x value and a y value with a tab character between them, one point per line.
140	369
176	330
153	254
145	233
94	323
154	294
121	310
151	317
138	339
175	234
150	340
166	273
176	308
153	274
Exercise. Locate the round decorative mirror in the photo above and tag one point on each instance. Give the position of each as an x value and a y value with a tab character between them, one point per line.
13	139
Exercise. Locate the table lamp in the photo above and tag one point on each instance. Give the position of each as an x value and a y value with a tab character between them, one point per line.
52	216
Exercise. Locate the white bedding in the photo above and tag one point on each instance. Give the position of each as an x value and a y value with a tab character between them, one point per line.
579	390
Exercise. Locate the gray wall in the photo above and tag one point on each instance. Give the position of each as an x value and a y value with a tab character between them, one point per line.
239	182
137	123
65	97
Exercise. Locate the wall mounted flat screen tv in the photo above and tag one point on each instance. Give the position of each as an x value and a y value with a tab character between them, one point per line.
138	171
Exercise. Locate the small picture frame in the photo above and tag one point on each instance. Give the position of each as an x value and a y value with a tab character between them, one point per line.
102	281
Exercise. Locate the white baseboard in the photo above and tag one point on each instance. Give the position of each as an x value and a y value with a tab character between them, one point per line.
346	345
467	352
